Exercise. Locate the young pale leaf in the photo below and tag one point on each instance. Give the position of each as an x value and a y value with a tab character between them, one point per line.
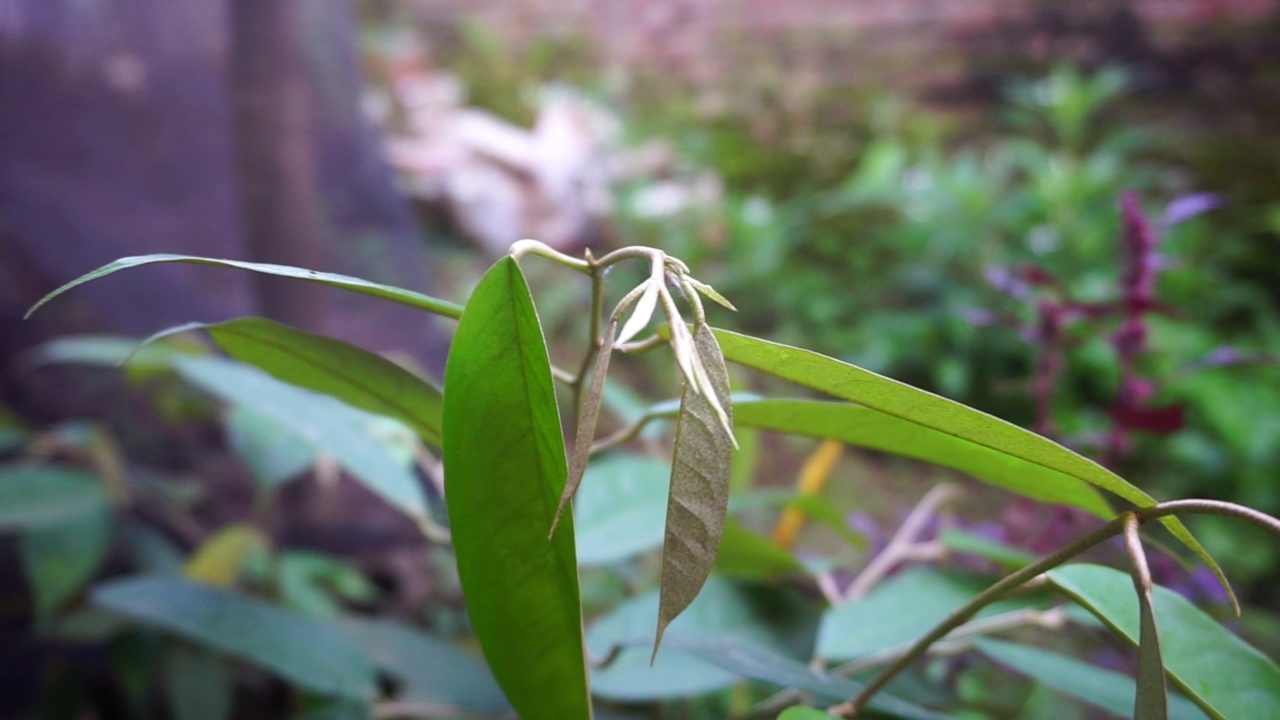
1106	689
1221	673
643	311
1150	701
699	498
587	417
309	653
710	292
875	430
364	287
332	367
505	470
852	383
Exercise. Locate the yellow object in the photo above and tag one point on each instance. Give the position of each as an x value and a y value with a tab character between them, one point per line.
813	478
219	560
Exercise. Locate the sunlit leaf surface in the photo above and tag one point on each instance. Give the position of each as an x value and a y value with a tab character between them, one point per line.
933	412
505	470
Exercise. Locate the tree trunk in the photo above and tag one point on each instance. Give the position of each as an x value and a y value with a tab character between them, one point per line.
275	161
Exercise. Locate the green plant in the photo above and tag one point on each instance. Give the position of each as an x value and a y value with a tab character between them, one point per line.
509	483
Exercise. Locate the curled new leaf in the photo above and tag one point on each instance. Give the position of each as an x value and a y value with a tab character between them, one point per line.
1150	702
699	498
345	282
587	418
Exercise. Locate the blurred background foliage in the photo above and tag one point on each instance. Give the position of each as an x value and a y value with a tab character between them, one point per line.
922	217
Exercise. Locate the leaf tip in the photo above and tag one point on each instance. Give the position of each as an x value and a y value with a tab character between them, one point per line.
657	640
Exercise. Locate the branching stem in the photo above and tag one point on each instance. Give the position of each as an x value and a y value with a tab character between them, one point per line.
1016	579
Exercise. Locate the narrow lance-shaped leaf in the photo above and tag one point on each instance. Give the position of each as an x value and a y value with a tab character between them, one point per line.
758	662
875	430
505	470
587	418
312	654
1106	689
353	375
644	306
1150	701
345	282
699	498
1221	673
937	413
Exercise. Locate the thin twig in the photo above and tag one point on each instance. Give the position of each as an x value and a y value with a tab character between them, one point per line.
395	709
955	640
963	614
1021	576
903	542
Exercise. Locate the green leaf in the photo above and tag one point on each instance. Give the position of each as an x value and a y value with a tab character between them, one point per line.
1221	673
353	375
309	653
505	469
273	453
814	507
898	611
620	508
967	543
338	710
349	435
60	557
932	412
33	497
364	287
219	560
428	669
864	427
315	585
761	663
1108	690
721	610
800	712
747	555
103	350
197	683
699	498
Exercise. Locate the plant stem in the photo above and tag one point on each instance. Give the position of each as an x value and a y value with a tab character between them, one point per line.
899	546
1019	577
973	607
593	336
520	248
